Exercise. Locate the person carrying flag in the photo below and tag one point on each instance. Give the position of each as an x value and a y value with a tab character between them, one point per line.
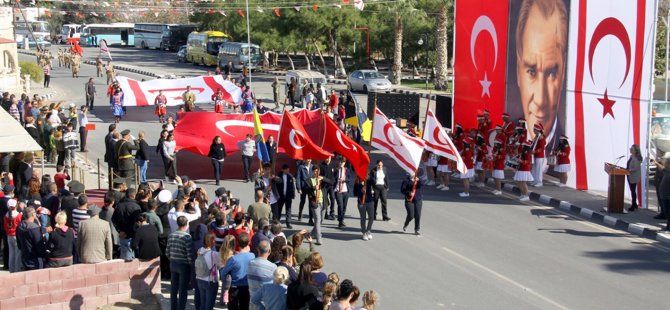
411	189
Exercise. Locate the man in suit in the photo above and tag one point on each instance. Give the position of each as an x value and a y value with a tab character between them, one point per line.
286	190
110	159
94	239
23	174
272	148
379	179
304	173
125	161
342	179
328	171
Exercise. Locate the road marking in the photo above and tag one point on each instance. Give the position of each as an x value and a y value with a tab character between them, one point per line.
506	279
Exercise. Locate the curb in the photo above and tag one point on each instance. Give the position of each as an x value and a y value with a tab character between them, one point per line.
344	82
597	217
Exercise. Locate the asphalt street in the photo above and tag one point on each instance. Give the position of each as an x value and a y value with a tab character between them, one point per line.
483	252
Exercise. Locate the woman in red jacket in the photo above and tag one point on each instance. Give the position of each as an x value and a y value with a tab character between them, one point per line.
467	155
499	156
563	160
523	174
11	223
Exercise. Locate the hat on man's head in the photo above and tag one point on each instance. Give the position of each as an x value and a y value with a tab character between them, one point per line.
93	210
8	188
119	180
164	196
125	132
76	187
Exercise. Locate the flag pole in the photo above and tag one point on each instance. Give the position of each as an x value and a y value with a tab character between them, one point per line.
423	130
372	125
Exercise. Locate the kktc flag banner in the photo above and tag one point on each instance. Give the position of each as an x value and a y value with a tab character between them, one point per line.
195	130
140	94
609	86
295	141
403	148
334	140
438	142
480	60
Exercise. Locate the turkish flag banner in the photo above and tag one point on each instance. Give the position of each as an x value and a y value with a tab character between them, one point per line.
195	130
295	141
480	60
609	90
140	94
336	141
438	142
403	148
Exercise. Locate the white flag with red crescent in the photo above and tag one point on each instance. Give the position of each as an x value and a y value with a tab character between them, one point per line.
403	148
139	94
104	48
438	142
609	85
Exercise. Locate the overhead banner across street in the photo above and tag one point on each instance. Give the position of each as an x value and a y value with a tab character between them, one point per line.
137	93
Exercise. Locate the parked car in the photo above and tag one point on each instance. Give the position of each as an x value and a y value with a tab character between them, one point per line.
368	80
181	54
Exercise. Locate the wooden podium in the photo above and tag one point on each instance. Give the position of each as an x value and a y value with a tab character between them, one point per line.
617	185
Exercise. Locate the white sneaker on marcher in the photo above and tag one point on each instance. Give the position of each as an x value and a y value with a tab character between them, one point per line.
430	183
365	236
524	198
479	184
464	194
496	192
369	236
440	186
444	188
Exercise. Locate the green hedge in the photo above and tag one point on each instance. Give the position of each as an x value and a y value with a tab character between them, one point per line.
36	72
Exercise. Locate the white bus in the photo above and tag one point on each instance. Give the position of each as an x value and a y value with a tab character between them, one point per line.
69	31
115	34
41	30
151	35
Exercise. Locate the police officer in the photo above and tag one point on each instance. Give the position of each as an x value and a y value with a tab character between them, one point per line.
125	160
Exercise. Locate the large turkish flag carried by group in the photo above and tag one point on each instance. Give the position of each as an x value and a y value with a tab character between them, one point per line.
480	60
295	141
346	147
609	87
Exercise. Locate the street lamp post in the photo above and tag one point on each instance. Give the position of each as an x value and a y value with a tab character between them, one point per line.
421	42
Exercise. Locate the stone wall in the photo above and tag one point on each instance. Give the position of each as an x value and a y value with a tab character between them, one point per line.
82	286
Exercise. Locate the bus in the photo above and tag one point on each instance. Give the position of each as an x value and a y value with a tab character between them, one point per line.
238	54
41	30
203	47
69	31
122	34
151	35
177	35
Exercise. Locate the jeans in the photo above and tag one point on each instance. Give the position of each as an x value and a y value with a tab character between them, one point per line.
317	216
238	298
216	164
142	165
246	163
329	200
633	194
537	172
47	79
14	254
366	210
83	134
413	213
180	274
301	205
207	293
342	199
380	194
125	249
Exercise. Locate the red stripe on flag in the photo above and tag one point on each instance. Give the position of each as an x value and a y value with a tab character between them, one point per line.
637	75
397	155
580	151
140	98
214	86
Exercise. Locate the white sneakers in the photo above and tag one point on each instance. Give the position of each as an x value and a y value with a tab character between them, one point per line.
536	185
444	188
367	236
479	184
496	192
464	194
430	183
440	186
524	198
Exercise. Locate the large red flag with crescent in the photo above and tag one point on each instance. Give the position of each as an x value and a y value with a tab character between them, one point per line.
336	141
480	60
295	141
609	86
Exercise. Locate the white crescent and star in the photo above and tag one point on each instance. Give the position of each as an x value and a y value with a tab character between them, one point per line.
338	135
291	138
484	23
222	125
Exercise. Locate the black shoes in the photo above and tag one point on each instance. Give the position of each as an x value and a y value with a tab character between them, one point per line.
632	208
386	219
404	228
659	217
341	225
311	223
289	226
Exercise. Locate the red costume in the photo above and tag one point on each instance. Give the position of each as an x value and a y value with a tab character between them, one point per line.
499	159
525	162
218	103
563	155
539	147
161	105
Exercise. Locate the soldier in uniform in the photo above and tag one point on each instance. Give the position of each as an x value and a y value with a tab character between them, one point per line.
98	66
189	99
67	58
124	156
110	72
61	58
75	66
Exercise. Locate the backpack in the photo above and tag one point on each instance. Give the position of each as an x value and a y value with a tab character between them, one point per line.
201	268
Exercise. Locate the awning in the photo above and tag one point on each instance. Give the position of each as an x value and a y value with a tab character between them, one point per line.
13	137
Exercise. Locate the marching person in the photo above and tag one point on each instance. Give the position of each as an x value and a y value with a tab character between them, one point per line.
364	192
248	148
563	160
443	173
343	177
286	191
539	144
117	104
467	156
481	153
522	176
161	106
634	168
98	66
123	149
316	193
271	145
217	99
275	91
189	99
328	171
47	75
304	174
110	72
431	167
217	153
411	189
90	93
379	179
499	156
169	157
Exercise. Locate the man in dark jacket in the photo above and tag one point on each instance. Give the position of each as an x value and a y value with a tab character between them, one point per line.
145	241
23	173
110	158
328	171
124	156
304	174
69	199
411	189
142	157
29	239
124	218
286	189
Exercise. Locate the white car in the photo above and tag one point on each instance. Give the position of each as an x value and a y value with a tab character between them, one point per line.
368	80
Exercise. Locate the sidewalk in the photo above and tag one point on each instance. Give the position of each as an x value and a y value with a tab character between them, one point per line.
592	206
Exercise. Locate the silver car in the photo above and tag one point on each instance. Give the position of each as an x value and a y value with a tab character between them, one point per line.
368	80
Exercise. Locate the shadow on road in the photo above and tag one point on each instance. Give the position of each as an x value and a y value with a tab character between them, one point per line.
634	261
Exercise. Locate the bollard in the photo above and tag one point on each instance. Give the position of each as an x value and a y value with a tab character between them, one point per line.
110	177
137	176
99	187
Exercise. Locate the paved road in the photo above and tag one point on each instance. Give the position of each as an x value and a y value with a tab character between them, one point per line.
482	252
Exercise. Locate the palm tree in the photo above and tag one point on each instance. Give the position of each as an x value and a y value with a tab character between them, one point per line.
441	38
399	12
